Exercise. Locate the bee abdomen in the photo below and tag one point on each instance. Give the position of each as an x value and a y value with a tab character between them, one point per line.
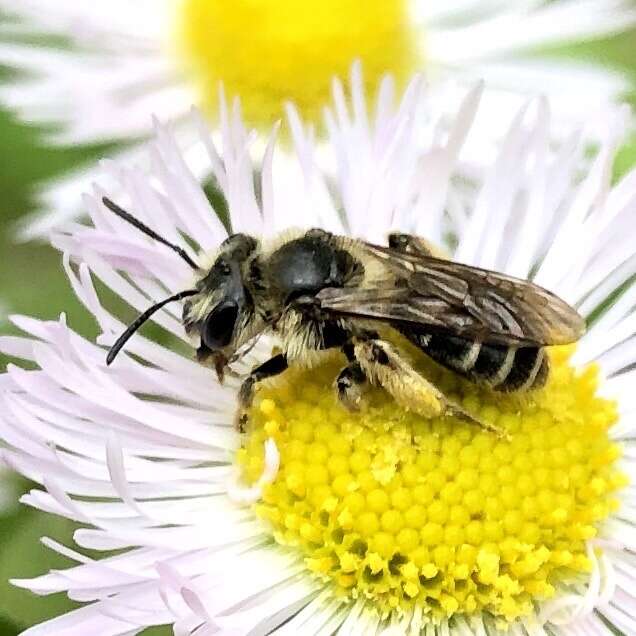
529	370
501	367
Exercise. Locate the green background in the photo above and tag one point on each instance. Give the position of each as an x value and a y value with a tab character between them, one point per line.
32	282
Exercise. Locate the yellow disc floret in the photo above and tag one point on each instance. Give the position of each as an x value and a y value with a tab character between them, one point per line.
268	52
438	513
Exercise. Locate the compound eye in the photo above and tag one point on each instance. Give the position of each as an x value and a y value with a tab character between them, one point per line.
218	327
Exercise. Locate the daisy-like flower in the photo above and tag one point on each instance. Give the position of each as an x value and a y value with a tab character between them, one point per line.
125	60
320	520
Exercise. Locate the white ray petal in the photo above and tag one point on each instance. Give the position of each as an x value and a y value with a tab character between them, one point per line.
560	21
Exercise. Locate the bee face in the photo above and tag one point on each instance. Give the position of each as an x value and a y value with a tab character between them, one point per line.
218	308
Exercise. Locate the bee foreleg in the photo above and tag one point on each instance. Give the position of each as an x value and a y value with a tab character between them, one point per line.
383	366
272	367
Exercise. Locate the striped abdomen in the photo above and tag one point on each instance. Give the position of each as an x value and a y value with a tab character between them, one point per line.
502	367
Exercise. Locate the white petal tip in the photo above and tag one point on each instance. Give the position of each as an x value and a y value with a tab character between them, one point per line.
246	496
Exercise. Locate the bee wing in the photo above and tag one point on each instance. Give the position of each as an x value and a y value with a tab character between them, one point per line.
461	300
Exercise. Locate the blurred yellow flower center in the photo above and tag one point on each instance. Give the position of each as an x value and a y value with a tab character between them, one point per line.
438	513
270	51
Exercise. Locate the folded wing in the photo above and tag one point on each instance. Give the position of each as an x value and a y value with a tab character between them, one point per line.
458	299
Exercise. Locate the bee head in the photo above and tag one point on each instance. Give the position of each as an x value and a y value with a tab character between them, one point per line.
215	308
220	307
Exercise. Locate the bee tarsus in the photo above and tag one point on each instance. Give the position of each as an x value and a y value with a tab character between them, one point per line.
272	367
351	384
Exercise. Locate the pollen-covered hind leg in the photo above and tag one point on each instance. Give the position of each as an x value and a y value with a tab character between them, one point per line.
384	366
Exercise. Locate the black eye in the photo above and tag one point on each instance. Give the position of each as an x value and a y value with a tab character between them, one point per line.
218	327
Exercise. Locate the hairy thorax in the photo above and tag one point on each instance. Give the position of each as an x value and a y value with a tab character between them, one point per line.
285	279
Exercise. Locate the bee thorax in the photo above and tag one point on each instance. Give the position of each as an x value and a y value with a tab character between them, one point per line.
304	266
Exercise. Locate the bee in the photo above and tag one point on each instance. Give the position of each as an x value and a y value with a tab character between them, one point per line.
318	291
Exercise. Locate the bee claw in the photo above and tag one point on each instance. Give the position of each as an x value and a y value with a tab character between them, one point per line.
351	403
245	399
459	413
241	420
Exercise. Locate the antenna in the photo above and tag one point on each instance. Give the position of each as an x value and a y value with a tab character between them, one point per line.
141	319
129	218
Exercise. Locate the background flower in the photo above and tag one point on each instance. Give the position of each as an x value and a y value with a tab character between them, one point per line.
139	453
106	69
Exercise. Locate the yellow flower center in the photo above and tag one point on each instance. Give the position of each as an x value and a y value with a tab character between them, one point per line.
270	51
406	511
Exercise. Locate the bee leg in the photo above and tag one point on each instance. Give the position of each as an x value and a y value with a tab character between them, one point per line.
384	366
411	244
274	366
351	381
350	385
